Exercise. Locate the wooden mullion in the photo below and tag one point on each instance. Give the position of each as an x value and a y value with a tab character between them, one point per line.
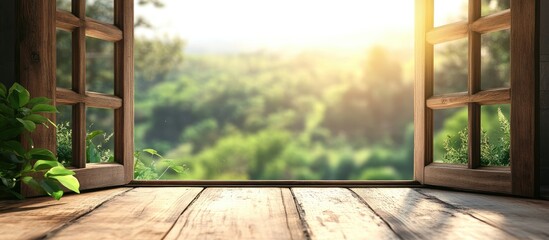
79	86
494	22
486	97
448	32
474	87
91	99
103	31
123	87
67	21
423	89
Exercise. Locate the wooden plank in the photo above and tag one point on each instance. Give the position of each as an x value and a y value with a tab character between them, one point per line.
423	88
413	215
488	180
337	213
142	213
35	217
448	32
103	31
494	22
524	218
36	65
91	99
524	136
492	96
239	213
124	87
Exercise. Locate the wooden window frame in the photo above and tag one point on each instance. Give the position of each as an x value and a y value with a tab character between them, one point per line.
37	62
519	179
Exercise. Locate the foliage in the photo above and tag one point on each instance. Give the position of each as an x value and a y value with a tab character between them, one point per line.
19	116
492	154
95	152
150	165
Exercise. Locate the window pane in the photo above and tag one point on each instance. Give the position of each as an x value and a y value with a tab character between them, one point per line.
99	66
64	5
101	10
100	135
450	11
493	6
450	136
495	67
495	135
64	59
64	134
450	67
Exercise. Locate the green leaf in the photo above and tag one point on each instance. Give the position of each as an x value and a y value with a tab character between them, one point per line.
39	100
59	171
36	118
28	180
42	154
3	90
27	124
10	133
45	165
178	169
94	134
43	108
92	155
70	182
8	182
18	96
6	110
13	146
51	188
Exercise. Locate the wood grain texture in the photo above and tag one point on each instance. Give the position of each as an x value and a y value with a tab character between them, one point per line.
488	180
67	21
37	62
448	32
337	213
492	96
416	216
423	88
494	22
34	218
524	139
103	31
145	213
124	87
91	99
473	86
526	219
232	213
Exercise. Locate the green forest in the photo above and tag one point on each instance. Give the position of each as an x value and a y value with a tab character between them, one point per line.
276	115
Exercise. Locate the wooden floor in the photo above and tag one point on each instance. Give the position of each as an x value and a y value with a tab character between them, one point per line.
275	213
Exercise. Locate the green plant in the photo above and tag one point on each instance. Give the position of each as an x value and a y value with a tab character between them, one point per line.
19	116
95	153
491	154
150	165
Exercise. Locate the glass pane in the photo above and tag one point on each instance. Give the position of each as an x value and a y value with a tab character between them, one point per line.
495	135
495	67
64	5
450	67
99	66
450	136
493	6
100	135
450	11
101	10
64	134
254	96
64	59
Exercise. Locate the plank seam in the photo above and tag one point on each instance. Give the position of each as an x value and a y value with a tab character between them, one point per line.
75	219
463	210
286	214
360	199
181	214
301	214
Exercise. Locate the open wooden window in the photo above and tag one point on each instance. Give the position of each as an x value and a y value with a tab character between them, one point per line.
84	40
519	95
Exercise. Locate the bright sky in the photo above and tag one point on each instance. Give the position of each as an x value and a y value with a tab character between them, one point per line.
237	25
